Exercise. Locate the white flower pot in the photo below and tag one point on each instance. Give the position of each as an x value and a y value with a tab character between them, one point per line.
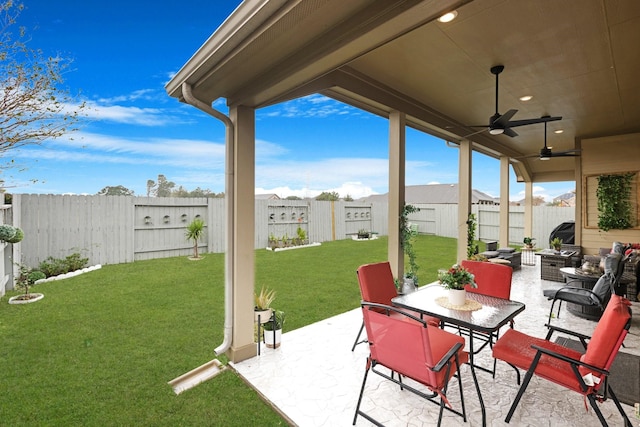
457	296
265	315
273	340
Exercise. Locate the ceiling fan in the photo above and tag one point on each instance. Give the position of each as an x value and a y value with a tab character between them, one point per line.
502	123
546	153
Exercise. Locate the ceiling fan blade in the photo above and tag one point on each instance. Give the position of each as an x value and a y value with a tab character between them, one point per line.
484	128
568	153
525	122
503	120
565	155
510	132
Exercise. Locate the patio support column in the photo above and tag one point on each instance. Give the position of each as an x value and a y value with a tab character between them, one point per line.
242	345
528	209
464	196
396	189
504	202
578	207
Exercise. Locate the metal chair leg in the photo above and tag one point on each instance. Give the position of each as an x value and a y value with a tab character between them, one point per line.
356	342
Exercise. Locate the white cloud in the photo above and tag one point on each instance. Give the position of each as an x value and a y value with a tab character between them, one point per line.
354	189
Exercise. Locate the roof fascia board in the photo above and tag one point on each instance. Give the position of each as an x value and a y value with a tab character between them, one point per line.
243	22
363	32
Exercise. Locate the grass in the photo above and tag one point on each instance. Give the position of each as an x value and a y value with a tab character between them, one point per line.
100	347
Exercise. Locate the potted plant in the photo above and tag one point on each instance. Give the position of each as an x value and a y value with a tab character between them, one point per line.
528	242
273	241
262	307
194	232
363	234
273	329
301	238
556	243
455	279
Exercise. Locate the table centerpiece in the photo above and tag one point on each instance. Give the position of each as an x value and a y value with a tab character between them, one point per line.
455	279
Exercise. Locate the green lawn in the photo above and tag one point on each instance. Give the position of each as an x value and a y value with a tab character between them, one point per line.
100	347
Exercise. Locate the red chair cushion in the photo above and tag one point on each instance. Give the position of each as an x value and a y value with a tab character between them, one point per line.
377	285
492	279
407	347
605	340
514	347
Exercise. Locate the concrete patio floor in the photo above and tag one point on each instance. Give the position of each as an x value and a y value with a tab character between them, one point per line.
314	378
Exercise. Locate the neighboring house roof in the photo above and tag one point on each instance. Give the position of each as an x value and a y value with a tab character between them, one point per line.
436	193
271	196
566	199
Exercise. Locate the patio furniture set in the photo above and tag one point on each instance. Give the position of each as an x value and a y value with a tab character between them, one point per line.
507	256
420	338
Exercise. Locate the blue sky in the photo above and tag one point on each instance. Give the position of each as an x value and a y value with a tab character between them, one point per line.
124	53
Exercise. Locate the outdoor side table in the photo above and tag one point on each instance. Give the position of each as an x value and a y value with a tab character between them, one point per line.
528	256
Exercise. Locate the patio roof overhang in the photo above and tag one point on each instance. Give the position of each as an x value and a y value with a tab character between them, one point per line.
578	62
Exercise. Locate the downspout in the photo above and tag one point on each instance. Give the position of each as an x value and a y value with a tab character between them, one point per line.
229	199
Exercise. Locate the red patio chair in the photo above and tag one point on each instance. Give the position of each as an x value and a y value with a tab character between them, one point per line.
414	349
568	367
493	280
377	285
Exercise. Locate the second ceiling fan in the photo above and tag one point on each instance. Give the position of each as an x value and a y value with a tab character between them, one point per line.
546	153
502	123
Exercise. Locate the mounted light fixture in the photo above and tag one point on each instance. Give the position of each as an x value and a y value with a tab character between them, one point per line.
448	17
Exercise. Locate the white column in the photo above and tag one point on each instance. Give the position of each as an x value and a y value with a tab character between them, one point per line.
504	202
396	189
243	346
464	196
528	209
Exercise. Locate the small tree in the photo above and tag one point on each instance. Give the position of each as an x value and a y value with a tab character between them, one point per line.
27	277
194	232
118	190
34	106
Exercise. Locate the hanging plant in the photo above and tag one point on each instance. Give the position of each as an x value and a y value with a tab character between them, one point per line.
407	237
472	248
614	201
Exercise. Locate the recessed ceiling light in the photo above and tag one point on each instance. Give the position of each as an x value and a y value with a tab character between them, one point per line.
558	131
526	98
448	17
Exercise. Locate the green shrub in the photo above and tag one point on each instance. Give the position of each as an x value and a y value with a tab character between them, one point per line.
7	232
17	237
56	266
36	275
75	262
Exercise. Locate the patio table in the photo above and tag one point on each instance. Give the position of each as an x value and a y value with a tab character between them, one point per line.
494	313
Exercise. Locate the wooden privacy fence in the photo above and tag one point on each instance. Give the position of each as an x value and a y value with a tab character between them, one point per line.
117	229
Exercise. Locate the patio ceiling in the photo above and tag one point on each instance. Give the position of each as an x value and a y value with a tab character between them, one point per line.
578	60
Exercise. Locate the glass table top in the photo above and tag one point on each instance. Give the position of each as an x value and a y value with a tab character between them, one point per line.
494	313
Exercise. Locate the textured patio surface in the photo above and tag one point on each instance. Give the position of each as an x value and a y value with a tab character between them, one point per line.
314	378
